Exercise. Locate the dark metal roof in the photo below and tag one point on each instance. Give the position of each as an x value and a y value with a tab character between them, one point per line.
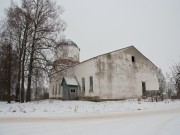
70	81
67	42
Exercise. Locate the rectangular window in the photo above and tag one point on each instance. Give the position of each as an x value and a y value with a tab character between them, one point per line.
133	59
56	90
143	88
91	84
53	90
73	91
83	84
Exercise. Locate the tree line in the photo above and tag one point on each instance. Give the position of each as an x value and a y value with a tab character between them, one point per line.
28	38
174	79
171	83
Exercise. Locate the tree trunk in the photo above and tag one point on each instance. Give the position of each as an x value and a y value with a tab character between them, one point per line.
19	79
9	74
23	58
22	84
18	84
28	94
19	71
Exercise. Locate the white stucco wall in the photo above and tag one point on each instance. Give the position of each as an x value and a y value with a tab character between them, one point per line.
115	76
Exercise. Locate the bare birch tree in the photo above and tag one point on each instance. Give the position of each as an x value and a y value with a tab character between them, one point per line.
47	24
35	26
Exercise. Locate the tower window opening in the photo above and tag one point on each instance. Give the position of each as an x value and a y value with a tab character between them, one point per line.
133	59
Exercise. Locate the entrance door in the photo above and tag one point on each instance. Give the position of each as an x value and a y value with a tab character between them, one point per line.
65	91
73	93
143	88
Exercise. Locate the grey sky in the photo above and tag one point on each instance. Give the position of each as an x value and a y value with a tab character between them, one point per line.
101	26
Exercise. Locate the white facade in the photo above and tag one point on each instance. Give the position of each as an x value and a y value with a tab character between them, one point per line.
115	75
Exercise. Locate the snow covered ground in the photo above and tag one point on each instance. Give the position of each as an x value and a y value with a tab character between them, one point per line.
55	117
58	107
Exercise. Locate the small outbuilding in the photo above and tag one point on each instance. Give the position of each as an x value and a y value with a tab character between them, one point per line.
70	88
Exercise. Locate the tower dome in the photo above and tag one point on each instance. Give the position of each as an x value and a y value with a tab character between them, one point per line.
67	53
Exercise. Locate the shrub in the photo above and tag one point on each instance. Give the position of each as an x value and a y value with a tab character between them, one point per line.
92	99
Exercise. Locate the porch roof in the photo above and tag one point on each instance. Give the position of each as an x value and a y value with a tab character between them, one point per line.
70	81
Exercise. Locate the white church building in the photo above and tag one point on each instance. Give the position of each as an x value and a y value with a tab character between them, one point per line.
121	74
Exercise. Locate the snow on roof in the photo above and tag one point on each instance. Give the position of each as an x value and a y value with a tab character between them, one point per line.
71	81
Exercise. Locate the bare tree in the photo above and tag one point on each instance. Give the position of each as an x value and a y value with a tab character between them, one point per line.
19	21
175	77
13	22
34	28
162	81
47	24
3	71
8	61
171	89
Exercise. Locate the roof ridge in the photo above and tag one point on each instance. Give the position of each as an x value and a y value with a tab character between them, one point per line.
107	53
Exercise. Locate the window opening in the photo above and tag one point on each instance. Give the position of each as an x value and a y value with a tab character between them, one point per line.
73	90
144	88
83	84
56	90
53	90
133	59
91	83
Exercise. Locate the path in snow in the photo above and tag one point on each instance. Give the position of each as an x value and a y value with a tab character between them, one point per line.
164	121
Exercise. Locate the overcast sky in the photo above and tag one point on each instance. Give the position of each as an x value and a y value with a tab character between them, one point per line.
101	26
